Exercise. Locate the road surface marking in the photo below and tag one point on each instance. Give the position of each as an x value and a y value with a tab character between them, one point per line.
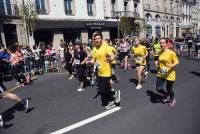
84	122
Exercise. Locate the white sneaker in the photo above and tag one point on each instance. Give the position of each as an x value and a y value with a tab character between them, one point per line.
1	121
80	89
145	75
139	86
110	105
71	77
117	96
25	104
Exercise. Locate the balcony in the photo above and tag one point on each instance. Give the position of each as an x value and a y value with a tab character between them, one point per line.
123	13
9	10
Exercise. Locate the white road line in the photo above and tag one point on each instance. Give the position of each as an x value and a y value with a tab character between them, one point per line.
84	122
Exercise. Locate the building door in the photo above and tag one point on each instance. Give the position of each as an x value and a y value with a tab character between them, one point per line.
10	34
72	36
43	36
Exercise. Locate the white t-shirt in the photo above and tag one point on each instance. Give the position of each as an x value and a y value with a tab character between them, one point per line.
61	52
37	53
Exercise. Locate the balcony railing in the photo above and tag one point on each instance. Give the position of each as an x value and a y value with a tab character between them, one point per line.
9	10
123	13
42	11
68	12
90	13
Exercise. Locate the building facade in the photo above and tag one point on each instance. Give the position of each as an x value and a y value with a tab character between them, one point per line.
162	18
11	26
72	20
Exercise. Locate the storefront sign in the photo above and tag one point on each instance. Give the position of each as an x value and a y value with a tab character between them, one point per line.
95	25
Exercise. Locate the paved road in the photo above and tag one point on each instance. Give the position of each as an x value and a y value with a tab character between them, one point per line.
56	105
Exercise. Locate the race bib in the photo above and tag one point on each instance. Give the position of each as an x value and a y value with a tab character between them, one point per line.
139	60
77	62
163	71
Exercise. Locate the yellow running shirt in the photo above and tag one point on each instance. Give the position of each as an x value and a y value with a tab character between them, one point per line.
99	55
139	53
157	48
114	51
167	57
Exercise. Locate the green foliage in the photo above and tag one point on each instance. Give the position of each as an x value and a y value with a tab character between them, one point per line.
126	25
29	16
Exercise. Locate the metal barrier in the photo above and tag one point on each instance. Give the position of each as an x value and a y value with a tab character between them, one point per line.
31	66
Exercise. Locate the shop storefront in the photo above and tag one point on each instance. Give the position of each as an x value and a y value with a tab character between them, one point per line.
70	31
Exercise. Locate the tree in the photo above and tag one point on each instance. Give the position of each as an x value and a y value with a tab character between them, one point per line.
29	16
126	25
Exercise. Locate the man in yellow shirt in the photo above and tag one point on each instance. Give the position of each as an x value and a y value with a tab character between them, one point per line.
102	56
166	72
140	53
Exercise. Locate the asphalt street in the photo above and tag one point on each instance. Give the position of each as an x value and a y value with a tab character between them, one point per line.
55	104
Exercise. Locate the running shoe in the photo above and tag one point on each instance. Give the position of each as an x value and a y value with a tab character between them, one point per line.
71	77
110	105
80	89
139	86
145	75
20	85
117	96
25	103
172	103
1	121
164	100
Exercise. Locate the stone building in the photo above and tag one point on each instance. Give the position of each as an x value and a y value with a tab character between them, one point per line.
11	26
162	17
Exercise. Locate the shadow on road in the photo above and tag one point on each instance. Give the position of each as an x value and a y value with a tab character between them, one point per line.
8	115
133	81
154	97
195	73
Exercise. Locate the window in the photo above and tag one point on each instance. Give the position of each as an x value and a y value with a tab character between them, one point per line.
5	7
113	4
40	6
68	7
157	18
90	4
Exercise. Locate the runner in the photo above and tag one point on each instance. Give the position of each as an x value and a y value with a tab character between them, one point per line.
156	50
197	44
124	50
80	58
140	53
68	63
179	45
103	57
6	94
189	43
166	72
